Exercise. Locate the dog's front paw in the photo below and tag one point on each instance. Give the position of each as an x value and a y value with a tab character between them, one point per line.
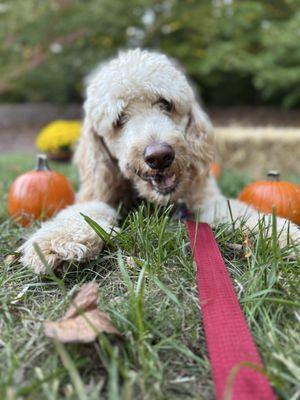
56	248
67	237
31	258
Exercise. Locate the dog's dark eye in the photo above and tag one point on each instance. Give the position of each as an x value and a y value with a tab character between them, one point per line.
166	105
120	121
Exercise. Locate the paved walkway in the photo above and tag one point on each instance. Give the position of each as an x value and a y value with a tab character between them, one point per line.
19	124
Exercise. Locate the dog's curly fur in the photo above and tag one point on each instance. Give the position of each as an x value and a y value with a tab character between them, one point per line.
133	101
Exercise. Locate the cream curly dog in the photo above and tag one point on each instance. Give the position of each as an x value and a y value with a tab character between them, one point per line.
144	133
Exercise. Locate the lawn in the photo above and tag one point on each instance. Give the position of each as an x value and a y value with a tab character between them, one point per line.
147	284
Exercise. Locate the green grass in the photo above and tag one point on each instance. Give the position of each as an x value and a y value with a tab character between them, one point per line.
147	284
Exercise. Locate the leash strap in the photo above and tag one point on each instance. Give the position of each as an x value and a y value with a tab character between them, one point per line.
229	342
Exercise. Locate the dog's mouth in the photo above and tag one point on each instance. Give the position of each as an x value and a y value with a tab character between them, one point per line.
163	183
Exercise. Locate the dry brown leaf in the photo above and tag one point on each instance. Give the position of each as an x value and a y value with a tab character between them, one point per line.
246	240
11	258
131	262
85	299
81	329
235	246
248	246
83	321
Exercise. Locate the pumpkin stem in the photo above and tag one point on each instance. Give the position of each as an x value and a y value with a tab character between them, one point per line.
273	176
42	163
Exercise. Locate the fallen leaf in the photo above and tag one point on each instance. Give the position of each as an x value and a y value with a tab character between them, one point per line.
85	299
83	328
83	321
131	262
248	246
20	294
235	246
11	258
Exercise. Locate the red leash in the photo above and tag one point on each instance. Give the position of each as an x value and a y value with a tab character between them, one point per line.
229	341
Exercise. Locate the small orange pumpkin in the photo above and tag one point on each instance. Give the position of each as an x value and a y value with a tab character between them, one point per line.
38	194
215	170
284	196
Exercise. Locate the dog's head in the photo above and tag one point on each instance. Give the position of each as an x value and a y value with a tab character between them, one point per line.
145	110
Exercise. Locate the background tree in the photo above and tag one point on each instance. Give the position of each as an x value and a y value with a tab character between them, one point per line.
237	52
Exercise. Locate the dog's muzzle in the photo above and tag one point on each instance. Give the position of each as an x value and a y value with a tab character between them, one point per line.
159	156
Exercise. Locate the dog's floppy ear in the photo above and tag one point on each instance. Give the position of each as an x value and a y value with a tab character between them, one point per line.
99	174
200	136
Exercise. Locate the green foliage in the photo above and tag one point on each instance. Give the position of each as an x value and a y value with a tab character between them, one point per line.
239	51
48	46
232	182
236	51
278	69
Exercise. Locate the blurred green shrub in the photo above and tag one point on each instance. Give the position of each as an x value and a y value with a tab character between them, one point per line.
236	51
46	47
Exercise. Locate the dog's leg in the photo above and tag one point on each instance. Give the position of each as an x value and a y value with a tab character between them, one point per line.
67	236
216	208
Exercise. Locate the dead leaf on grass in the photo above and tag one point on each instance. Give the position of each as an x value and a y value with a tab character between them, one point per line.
130	261
85	299
11	258
83	321
248	246
235	246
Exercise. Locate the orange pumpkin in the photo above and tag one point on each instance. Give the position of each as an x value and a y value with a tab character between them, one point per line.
284	196
215	170
38	194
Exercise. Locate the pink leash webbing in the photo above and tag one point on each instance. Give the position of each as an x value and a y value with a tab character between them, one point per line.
228	338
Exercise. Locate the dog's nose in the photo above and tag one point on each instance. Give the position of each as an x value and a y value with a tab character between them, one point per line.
159	155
